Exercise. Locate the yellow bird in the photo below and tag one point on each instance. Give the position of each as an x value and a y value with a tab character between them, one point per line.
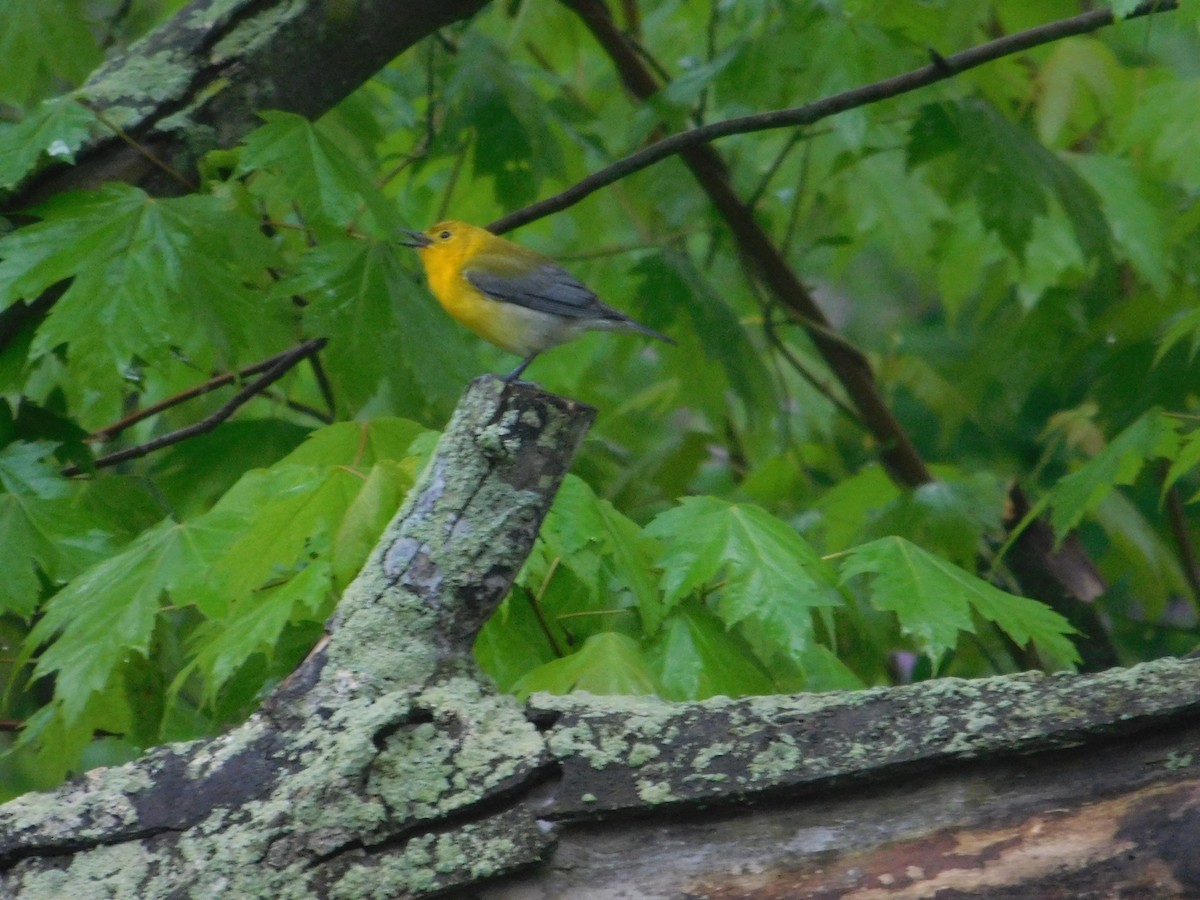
510	295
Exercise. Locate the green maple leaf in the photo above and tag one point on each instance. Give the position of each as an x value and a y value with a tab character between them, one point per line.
52	133
1152	436
933	600
759	569
607	663
110	610
148	279
309	166
384	332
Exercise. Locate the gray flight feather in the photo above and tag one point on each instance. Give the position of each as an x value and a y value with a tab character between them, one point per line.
549	289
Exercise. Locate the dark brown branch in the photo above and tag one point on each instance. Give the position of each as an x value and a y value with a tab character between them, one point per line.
1062	575
186	184
945	68
108	432
1066	579
1179	533
325	418
535	601
212	100
279	367
896	450
323	385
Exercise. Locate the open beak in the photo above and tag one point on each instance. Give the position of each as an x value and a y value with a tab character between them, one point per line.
416	239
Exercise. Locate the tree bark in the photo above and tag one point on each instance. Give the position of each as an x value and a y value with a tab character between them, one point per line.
387	766
1026	797
386	759
198	82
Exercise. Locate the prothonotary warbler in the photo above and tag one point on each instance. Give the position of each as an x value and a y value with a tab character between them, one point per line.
510	295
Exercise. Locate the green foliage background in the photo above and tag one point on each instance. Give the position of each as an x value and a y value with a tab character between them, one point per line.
1015	250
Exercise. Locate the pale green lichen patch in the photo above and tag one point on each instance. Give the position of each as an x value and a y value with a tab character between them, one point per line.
498	747
712	777
642	753
101	803
414	773
476	743
72	812
427	863
1177	760
655	793
773	763
387	658
608	735
263	28
126	779
122	868
705	757
141	85
206	16
495	441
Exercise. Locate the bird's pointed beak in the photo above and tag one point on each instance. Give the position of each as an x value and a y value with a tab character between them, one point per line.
416	239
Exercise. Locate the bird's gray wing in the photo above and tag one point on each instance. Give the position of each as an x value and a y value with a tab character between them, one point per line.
548	288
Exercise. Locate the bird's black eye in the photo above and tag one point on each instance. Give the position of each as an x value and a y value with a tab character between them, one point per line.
445	235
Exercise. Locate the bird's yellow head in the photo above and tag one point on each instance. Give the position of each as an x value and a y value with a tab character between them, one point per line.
448	241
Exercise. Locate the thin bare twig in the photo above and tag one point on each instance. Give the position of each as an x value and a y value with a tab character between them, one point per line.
321	416
323	384
941	69
452	182
818	384
535	601
140	148
108	432
765	182
793	223
276	368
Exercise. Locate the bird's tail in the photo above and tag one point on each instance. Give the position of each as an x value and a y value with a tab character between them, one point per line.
622	322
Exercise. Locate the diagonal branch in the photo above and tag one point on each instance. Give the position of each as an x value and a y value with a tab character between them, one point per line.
276	368
385	750
940	69
108	432
1056	580
897	451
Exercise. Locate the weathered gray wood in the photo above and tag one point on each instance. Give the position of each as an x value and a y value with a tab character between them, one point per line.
384	766
620	754
1110	818
387	767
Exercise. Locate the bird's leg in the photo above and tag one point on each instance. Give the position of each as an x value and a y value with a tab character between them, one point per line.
516	373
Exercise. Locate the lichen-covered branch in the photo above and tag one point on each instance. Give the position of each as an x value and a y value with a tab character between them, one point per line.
614	757
1022	786
1092	812
388	767
386	759
198	82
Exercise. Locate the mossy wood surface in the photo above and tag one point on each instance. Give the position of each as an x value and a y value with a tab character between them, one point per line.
388	767
386	759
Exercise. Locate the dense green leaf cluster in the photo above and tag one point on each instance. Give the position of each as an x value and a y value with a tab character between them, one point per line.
1014	250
